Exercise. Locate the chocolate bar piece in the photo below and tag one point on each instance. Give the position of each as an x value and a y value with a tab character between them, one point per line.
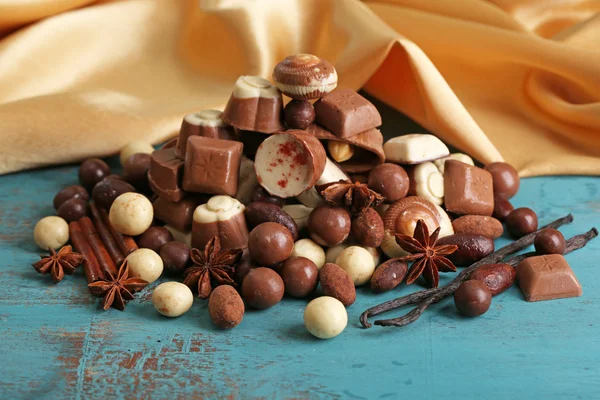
212	165
254	105
206	123
547	277
178	215
346	113
468	190
165	174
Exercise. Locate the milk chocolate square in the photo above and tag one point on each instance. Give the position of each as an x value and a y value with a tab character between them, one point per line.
178	215
212	166
346	113
468	190
547	277
165	174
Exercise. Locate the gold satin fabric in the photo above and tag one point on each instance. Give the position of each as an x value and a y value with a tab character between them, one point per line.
500	79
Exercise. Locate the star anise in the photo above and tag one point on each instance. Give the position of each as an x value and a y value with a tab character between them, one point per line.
59	264
356	197
428	258
117	290
214	266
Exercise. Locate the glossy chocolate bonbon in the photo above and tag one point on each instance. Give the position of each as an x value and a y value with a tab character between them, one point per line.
547	277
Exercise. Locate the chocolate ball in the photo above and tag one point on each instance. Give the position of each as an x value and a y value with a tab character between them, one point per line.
505	177
244	266
329	226
175	256
472	298
390	180
550	241
521	222
135	170
299	114
92	171
502	208
108	189
154	238
260	194
262	288
300	276
68	193
73	209
270	243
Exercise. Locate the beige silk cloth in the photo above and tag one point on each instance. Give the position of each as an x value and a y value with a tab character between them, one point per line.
517	80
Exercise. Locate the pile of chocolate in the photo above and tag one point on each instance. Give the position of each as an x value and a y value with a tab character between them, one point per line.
261	200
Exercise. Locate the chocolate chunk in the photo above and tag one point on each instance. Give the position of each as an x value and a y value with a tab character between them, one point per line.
346	113
178	215
212	165
468	190
207	123
547	277
165	174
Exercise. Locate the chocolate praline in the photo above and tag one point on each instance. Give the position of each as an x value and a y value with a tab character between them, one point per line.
270	243
300	276
154	238
92	171
299	114
262	288
329	226
135	170
390	180
73	209
68	193
472	298
505	177
175	256
549	241
108	189
521	222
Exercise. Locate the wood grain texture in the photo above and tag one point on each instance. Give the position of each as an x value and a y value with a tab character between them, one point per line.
56	343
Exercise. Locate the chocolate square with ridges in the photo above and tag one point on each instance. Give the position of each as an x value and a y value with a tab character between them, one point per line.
468	190
547	277
165	174
212	166
346	113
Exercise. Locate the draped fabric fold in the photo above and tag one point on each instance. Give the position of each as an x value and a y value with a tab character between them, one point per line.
517	80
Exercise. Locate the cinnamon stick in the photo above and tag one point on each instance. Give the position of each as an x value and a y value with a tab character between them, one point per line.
125	242
91	266
107	238
90	232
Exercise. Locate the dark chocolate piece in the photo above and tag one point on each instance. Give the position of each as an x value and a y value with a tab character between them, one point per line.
207	123
178	215
73	209
521	222
165	174
68	193
262	288
92	171
547	277
468	190
135	170
472	298
506	179
108	189
175	256
299	114
300	276
154	238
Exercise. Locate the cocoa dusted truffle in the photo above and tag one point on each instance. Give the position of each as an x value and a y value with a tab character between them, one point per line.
225	307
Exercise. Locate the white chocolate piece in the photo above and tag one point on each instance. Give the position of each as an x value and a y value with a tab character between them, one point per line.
325	317
218	208
332	173
145	264
309	249
463	158
414	149
180	236
210	118
358	264
332	253
172	299
247	87
247	181
299	214
134	147
131	214
51	233
428	182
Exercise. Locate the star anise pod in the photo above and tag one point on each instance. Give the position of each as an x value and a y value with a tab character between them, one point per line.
59	264
356	197
428	258
214	266
117	290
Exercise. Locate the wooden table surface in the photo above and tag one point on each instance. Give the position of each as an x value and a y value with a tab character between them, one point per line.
57	343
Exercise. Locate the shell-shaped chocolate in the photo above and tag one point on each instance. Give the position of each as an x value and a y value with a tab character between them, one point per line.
402	216
305	77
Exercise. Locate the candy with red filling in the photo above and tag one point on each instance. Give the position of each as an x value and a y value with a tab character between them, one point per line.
207	123
165	174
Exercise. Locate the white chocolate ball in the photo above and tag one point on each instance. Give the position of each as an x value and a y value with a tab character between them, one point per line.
309	249
51	233
145	264
172	299
332	253
134	147
358	262
325	317
131	214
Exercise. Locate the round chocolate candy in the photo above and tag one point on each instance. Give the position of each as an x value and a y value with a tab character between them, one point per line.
472	298
261	195
505	177
502	208
135	170
73	209
175	256
550	241
92	171
262	288
300	276
108	189
68	193
225	307
270	243
521	222
243	267
329	226
390	180
154	238
299	114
